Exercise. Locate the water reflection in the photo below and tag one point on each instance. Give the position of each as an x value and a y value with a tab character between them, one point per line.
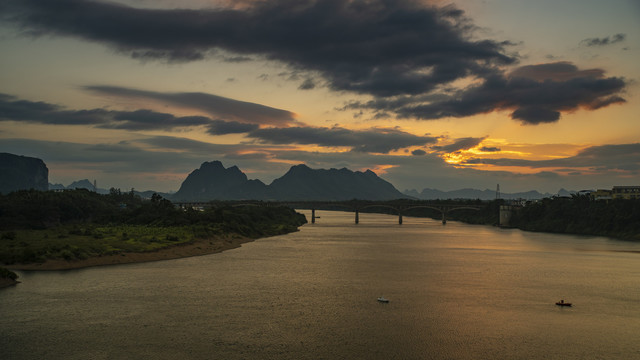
456	291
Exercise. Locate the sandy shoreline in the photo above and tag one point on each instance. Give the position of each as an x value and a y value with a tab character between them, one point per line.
197	248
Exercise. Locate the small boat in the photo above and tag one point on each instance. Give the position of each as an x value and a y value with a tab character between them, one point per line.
562	303
383	300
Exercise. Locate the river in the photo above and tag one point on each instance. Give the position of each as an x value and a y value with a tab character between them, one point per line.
456	292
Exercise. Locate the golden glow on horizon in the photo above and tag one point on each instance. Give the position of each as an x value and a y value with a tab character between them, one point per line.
380	169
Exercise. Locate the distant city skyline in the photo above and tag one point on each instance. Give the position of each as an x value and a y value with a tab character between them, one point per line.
428	94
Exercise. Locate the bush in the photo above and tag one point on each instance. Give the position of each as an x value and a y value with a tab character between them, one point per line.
9	235
7	274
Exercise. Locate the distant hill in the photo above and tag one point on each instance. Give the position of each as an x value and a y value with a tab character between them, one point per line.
22	172
212	181
304	183
86	184
82	184
487	194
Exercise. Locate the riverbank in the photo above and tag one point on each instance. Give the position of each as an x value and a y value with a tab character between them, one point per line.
7	277
195	248
6	282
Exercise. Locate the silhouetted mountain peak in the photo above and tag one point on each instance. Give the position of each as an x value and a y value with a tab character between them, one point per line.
303	183
212	165
212	181
297	169
81	184
22	172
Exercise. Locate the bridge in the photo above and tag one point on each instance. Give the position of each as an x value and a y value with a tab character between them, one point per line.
398	206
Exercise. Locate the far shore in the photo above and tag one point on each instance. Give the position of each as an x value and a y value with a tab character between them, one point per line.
196	248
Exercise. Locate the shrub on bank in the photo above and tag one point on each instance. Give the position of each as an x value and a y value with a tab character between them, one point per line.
7	274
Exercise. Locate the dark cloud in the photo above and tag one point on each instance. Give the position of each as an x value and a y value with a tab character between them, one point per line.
532	101
221	127
460	144
556	71
188	146
418	152
375	140
377	47
535	115
12	108
308	84
403	53
45	113
151	120
238	59
604	41
489	149
216	106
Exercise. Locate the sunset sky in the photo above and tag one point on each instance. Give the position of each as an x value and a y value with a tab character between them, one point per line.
533	95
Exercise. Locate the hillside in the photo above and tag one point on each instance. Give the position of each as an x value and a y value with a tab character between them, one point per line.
22	173
212	181
304	183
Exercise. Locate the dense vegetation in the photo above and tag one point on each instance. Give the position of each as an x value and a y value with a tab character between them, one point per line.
578	214
487	212
581	215
7	274
76	224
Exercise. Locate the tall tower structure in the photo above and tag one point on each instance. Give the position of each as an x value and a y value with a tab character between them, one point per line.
498	192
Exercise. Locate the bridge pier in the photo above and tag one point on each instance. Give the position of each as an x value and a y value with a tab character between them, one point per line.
399	218
313	216
357	216
444	218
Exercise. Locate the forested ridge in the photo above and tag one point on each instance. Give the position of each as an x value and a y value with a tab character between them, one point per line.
76	224
579	214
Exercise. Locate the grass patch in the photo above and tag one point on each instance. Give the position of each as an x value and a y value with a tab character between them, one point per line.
74	242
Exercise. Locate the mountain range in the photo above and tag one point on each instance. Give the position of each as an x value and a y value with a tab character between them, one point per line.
487	194
212	181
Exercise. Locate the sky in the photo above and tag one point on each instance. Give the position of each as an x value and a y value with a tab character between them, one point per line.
531	95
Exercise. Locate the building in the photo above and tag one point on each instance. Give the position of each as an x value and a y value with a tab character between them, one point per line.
602	194
625	192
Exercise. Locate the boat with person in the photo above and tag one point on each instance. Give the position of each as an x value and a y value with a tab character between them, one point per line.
562	303
382	299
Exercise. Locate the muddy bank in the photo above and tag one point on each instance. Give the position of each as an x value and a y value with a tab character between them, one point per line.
199	247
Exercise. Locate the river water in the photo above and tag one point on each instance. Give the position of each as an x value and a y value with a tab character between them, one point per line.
456	292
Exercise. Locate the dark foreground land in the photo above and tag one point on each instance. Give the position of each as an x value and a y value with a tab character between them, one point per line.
578	214
44	230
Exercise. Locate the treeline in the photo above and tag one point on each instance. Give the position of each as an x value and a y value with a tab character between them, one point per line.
487	212
581	215
578	214
32	209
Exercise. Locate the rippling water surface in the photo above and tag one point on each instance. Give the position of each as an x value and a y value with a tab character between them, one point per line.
456	292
